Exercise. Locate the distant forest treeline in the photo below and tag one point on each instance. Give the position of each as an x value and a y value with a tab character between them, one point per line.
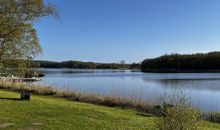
200	62
86	65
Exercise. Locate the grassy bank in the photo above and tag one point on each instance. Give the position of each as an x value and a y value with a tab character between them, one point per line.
44	112
51	102
110	101
49	113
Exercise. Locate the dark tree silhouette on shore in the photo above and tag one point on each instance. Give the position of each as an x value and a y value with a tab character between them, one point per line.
199	62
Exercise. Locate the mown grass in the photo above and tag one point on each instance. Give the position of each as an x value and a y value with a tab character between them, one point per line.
51	113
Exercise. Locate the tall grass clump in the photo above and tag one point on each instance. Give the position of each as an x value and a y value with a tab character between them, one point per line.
32	88
180	115
111	101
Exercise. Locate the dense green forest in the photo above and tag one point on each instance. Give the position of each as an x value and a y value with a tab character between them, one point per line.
200	62
84	65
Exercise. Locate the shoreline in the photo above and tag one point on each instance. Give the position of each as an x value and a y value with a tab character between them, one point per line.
178	71
72	95
153	108
145	70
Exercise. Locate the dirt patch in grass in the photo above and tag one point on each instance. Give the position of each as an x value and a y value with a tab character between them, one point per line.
29	129
37	124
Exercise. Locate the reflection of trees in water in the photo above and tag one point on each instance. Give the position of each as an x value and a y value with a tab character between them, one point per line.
211	84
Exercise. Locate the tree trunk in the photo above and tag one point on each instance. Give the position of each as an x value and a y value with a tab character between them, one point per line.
25	95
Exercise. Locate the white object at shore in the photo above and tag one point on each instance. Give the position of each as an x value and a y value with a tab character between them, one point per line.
17	79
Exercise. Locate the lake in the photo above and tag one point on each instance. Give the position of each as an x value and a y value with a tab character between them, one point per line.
203	88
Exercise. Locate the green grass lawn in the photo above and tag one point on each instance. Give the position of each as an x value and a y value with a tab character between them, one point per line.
49	113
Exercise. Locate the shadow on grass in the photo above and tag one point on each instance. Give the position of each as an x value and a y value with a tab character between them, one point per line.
144	114
13	99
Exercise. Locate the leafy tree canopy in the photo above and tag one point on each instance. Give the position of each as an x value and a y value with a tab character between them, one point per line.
18	37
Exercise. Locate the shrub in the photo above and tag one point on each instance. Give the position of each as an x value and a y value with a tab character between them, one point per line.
180	116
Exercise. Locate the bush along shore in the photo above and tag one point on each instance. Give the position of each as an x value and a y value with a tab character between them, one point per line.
160	109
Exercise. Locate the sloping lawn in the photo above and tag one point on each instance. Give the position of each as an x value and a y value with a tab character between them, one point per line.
49	113
46	113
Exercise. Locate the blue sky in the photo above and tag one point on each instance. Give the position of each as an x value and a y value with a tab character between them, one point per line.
130	30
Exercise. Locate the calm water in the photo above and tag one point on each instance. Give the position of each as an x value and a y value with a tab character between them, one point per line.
204	88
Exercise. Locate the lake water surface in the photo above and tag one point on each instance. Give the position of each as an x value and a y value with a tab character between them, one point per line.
203	88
